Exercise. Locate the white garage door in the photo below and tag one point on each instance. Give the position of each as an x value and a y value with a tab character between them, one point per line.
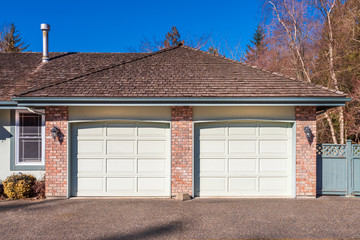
243	159
121	159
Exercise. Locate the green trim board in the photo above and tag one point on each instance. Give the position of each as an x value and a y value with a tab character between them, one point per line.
320	102
12	107
164	99
7	103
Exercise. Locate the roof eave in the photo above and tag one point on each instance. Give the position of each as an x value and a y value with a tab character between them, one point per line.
8	105
251	101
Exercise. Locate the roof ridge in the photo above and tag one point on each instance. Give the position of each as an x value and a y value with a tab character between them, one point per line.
264	70
97	71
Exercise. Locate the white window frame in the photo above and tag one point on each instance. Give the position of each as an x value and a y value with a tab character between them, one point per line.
17	137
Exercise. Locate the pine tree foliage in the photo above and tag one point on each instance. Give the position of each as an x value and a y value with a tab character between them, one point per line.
214	50
257	47
10	40
172	38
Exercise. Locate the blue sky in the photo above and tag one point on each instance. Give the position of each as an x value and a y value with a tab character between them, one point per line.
116	26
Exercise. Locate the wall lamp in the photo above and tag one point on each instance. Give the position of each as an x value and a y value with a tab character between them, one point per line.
309	134
54	132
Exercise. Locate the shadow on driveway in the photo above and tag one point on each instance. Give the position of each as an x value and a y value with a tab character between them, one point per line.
171	228
11	205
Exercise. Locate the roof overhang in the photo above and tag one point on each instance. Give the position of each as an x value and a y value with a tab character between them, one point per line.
10	105
321	102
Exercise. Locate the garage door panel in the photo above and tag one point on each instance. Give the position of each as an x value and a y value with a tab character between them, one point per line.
243	185
120	165
212	184
120	147
90	147
91	184
211	147
274	129
274	185
273	165
242	130
242	165
274	147
242	147
120	130
150	130
91	165
91	131
121	159
153	147
120	184
212	165
212	130
151	184
151	165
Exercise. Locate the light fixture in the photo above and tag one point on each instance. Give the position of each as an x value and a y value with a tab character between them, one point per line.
308	133
54	132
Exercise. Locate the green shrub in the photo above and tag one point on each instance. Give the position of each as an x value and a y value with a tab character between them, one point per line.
19	186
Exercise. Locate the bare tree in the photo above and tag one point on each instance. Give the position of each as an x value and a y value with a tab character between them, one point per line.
291	16
326	8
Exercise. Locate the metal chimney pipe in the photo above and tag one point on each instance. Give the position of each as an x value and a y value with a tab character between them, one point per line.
45	29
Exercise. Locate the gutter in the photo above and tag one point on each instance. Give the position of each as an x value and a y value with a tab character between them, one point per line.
10	105
286	101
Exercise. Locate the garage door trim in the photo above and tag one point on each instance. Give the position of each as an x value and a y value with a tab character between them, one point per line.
69	143
293	147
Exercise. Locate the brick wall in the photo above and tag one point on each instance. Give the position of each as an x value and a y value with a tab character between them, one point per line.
56	152
305	152
181	150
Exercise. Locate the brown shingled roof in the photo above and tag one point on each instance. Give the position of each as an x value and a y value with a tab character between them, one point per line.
177	72
21	72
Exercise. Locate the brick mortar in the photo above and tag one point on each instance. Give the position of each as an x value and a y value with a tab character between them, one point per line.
56	152
181	149
305	151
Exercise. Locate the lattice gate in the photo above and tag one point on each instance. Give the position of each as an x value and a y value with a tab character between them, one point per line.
338	169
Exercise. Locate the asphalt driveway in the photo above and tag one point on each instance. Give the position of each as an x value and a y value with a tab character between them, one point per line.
326	217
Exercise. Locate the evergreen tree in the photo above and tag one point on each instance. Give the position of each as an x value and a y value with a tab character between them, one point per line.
214	51
172	38
10	40
257	47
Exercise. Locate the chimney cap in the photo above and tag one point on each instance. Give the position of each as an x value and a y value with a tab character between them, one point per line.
45	27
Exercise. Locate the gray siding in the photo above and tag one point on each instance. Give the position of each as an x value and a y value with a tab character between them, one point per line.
7	147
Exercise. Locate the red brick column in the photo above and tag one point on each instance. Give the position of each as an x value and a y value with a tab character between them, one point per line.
305	152
56	152
181	150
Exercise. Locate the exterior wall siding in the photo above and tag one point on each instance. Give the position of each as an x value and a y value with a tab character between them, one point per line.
305	152
5	144
119	112
7	148
56	152
181	149
244	112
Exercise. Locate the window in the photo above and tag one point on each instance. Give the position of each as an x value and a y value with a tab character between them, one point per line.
29	138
